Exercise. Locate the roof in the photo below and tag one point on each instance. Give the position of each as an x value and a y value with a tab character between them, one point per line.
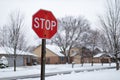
101	54
73	54
96	47
3	58
54	49
7	50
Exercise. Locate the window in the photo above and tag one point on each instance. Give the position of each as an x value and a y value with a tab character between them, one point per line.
62	58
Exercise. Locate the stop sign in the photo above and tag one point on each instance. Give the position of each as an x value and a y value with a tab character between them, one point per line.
44	24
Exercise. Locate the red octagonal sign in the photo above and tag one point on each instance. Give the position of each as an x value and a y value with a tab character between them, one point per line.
44	24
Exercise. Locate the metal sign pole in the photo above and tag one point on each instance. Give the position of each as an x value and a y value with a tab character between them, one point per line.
43	59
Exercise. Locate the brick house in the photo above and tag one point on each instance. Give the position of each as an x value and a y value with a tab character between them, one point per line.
103	58
75	54
53	55
22	59
84	54
78	55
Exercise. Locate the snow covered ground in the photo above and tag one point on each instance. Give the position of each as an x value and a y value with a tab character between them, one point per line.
96	75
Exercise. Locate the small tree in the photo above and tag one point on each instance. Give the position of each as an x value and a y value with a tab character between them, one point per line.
13	38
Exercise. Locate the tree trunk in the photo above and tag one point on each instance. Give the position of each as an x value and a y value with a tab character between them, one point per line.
68	59
82	61
14	64
117	66
15	58
92	62
117	63
92	58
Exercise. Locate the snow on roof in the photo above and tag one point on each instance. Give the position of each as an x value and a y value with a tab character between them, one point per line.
111	55
3	57
54	49
96	47
6	50
74	53
99	54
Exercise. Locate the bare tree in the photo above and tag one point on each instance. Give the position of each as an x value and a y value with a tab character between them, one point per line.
13	35
103	42
111	26
83	44
94	37
70	30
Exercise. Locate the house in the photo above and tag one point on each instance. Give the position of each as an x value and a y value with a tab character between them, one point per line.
103	58
75	54
22	58
80	54
53	55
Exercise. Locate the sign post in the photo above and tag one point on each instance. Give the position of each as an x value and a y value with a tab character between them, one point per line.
43	59
45	26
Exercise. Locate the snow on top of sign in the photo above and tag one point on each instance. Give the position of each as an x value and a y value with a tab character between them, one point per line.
54	49
6	50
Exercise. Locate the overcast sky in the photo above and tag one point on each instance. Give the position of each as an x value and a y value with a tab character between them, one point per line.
60	8
90	9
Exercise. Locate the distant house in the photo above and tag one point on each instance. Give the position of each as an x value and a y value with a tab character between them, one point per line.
53	55
78	55
23	58
103	58
75	54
